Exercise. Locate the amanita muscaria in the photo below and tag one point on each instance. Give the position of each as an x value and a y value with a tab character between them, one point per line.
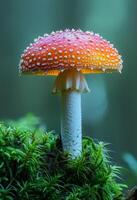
69	55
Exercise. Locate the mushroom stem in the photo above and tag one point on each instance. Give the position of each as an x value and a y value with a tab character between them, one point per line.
71	83
71	133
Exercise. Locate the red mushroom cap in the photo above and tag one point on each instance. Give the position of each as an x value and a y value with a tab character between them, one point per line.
70	49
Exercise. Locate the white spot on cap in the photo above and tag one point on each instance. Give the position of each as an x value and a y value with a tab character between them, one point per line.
21	63
79	30
54	48
60	51
50	58
22	55
61	46
39	37
71	50
35	40
96	34
87	32
120	68
46	35
119	56
72	65
26	63
49	54
103	69
67	30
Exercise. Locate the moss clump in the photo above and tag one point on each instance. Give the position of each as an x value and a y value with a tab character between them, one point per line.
33	166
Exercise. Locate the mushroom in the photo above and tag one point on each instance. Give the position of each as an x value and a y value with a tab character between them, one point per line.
70	54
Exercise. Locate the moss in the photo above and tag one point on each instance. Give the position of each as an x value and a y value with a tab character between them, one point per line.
33	166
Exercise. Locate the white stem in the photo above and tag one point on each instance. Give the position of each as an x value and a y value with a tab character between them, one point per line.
71	133
71	83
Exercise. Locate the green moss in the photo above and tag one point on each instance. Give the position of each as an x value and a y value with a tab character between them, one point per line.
33	166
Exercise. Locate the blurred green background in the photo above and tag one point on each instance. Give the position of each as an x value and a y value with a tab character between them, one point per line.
110	110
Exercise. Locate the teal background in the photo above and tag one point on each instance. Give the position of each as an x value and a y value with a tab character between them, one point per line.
110	110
